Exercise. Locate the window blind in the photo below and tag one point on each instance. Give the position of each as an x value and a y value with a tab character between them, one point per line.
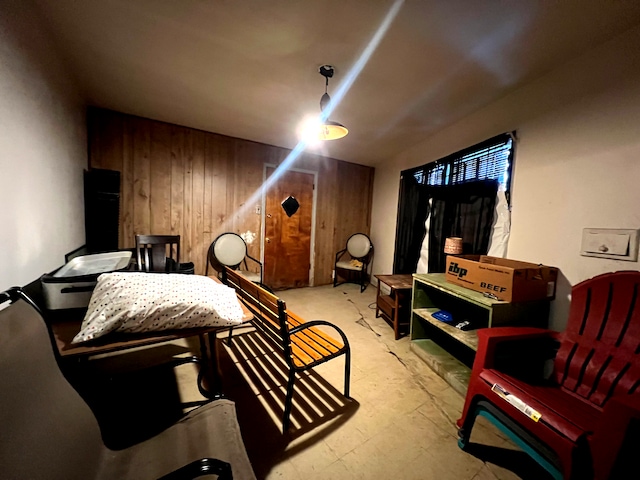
489	160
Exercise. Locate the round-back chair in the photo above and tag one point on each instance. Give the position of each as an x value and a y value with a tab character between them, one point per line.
359	249
230	250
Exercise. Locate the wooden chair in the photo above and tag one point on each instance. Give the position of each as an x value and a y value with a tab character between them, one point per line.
359	249
583	420
154	250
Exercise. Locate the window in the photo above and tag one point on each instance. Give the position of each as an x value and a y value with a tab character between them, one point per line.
454	196
489	160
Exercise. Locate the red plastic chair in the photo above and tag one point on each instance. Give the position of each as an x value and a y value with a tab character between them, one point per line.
583	420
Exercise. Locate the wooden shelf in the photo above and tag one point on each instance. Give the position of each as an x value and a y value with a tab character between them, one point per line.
439	281
468	338
448	350
454	372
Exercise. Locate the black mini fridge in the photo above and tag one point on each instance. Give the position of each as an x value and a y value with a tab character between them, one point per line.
101	209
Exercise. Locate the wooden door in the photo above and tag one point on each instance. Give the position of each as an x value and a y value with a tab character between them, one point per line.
287	240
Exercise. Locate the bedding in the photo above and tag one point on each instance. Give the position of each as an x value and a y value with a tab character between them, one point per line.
137	302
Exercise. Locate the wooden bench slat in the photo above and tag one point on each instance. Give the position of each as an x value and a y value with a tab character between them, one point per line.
292	317
314	333
308	350
321	337
301	358
317	340
313	349
272	323
292	321
264	314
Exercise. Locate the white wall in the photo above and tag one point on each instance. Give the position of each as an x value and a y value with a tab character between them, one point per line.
577	163
42	150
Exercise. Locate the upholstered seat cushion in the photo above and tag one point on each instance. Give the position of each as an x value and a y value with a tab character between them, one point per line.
212	428
348	265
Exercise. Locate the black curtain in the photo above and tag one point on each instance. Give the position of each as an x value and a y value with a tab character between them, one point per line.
465	210
413	208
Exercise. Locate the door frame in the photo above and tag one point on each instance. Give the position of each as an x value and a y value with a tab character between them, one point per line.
263	224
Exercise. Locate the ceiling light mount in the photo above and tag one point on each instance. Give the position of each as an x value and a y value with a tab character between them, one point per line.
329	130
326	71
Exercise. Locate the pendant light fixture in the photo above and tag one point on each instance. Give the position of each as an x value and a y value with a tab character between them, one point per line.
329	130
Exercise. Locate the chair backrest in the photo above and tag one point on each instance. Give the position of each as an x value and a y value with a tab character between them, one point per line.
153	251
228	249
599	354
48	431
359	245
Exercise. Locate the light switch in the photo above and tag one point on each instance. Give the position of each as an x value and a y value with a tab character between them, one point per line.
612	243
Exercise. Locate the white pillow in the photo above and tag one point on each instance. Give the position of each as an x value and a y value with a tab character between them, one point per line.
147	302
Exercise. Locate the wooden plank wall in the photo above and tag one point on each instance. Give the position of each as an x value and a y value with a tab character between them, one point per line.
181	181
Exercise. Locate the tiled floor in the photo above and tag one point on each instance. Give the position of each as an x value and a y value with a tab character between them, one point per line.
399	424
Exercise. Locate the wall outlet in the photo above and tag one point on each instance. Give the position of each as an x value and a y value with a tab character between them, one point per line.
333	274
258	210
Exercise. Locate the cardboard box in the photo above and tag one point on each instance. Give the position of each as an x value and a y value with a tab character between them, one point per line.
508	280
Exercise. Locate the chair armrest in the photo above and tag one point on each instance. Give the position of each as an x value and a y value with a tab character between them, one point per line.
199	468
615	436
15	293
528	344
340	253
255	260
316	323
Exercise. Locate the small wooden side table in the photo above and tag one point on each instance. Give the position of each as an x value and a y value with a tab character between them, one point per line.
395	308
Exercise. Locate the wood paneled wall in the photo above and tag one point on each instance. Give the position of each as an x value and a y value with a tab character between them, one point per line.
181	181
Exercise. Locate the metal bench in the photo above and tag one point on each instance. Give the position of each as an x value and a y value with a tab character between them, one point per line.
303	344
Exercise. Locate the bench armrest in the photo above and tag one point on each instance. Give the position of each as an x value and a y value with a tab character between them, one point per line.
199	468
316	323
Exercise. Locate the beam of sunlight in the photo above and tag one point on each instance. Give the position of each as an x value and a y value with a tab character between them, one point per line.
355	70
342	90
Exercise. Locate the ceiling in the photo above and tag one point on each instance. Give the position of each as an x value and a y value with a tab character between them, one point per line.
249	68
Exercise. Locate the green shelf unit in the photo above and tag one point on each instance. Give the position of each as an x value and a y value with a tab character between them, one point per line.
452	370
450	351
